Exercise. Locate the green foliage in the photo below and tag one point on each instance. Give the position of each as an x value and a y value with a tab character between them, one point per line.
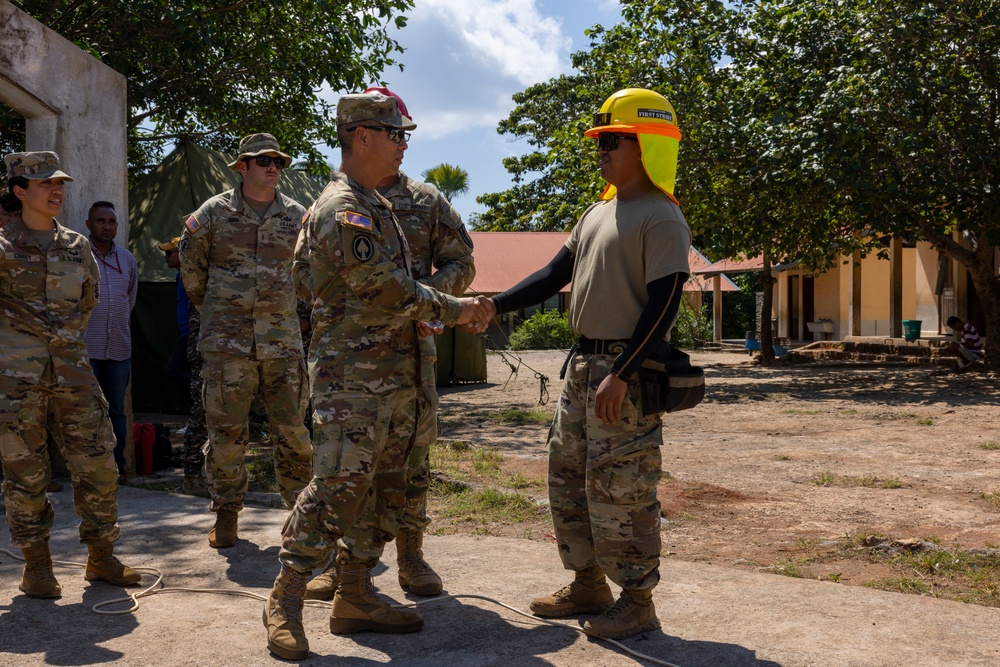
811	128
545	330
449	179
692	328
226	68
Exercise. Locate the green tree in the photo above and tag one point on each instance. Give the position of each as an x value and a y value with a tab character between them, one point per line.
896	108
449	179
220	69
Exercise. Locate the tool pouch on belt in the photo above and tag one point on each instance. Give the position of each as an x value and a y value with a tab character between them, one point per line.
668	382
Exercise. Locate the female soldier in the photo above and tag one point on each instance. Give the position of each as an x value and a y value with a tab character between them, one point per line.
48	287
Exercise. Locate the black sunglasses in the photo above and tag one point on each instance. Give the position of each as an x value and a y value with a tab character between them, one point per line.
266	160
396	134
608	141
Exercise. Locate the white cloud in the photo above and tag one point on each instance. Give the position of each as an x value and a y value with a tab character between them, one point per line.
510	36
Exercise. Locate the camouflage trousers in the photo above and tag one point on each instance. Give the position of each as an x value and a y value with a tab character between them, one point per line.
196	433
78	419
383	517
602	480
230	385
355	436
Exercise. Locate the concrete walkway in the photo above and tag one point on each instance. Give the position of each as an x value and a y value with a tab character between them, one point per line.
712	616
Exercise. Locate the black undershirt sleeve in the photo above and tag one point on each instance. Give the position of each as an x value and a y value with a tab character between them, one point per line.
539	286
654	323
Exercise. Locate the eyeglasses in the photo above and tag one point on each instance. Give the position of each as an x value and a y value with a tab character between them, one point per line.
266	160
395	133
608	141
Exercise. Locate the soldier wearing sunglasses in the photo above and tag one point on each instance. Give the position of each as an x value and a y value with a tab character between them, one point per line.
354	266
236	264
628	261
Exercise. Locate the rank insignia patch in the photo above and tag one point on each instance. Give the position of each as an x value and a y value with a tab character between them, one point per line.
357	220
362	248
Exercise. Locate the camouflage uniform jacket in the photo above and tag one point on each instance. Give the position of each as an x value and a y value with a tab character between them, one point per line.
45	302
438	240
353	265
236	269
435	233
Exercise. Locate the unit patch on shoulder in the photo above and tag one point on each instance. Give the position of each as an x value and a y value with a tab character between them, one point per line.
184	245
362	248
192	223
353	219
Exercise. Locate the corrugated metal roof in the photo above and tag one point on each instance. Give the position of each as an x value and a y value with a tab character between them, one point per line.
504	259
735	265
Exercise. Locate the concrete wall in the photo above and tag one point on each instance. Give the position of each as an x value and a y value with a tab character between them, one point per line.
72	104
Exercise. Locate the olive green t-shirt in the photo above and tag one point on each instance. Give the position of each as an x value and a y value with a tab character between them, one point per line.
618	248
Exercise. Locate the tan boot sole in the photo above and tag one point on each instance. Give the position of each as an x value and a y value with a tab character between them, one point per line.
346	626
433	588
653	624
281	651
555	612
46	596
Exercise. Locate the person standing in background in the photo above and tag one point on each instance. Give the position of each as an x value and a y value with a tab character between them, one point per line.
109	334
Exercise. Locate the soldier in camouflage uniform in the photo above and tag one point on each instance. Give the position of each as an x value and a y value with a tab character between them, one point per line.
49	284
195	431
363	370
236	261
441	250
628	261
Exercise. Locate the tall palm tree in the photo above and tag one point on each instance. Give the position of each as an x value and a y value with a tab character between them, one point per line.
450	180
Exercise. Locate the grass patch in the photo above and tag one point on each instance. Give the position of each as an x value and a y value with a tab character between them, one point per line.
786	569
866	481
518	416
776	397
824	479
927	567
925	421
796	411
991	444
991	498
487	462
491	506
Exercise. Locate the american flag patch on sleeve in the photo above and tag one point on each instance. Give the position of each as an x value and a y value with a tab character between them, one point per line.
192	224
357	220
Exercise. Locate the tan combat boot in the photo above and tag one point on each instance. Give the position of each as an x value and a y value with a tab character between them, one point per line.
356	607
103	566
633	613
223	533
589	593
286	638
324	585
37	580
415	575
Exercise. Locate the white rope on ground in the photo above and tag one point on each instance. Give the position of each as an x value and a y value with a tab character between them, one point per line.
133	598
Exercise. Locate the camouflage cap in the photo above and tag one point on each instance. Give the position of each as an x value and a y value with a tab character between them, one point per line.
253	145
172	244
355	109
35	166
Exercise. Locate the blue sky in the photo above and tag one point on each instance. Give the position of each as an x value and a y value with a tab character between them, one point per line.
464	60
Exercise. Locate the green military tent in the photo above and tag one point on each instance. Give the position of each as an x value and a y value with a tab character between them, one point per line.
187	177
177	186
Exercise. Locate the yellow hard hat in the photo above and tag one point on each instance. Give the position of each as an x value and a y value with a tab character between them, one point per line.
649	116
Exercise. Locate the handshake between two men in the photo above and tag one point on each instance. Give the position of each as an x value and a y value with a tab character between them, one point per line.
477	312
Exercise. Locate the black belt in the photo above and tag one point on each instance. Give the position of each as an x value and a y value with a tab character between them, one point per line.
601	346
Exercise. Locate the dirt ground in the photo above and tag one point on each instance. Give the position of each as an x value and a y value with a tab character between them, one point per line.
791	464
